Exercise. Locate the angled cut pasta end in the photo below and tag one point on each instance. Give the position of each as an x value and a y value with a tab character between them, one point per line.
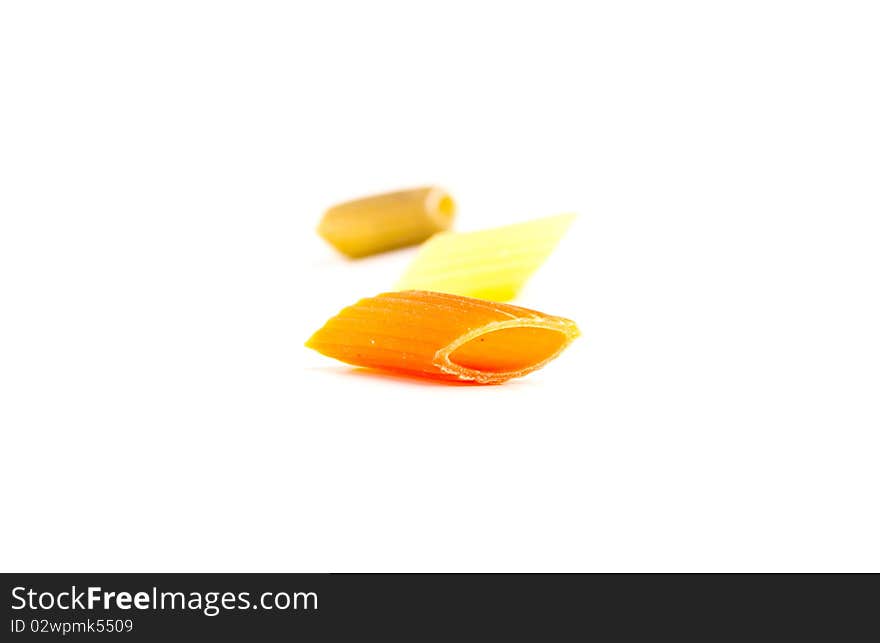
444	337
501	351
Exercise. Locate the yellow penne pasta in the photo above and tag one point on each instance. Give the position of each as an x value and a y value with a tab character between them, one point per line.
490	264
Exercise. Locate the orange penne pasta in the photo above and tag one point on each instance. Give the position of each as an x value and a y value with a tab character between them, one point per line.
442	336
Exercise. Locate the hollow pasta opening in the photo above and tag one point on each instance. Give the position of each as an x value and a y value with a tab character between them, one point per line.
508	349
441	206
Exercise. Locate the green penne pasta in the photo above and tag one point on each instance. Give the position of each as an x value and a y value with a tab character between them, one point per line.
490	264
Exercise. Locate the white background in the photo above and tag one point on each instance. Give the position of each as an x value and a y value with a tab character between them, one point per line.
163	166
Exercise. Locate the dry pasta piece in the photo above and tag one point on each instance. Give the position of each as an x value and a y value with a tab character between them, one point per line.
387	221
443	336
490	264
